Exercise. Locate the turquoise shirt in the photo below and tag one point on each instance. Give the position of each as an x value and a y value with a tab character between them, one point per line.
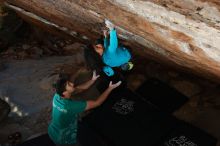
113	55
63	126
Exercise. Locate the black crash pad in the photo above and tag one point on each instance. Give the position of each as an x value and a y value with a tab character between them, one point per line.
188	135
125	119
88	137
162	95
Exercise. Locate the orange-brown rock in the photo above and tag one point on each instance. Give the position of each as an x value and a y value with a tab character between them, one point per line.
183	33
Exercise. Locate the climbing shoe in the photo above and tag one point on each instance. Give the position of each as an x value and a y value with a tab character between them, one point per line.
127	66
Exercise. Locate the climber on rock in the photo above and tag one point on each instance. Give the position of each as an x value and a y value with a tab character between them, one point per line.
113	55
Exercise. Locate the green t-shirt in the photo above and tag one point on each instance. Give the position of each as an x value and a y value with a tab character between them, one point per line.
63	127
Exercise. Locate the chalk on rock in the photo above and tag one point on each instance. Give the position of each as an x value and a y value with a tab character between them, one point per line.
109	24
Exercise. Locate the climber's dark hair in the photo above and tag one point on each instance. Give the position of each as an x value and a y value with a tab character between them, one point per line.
99	41
92	58
60	85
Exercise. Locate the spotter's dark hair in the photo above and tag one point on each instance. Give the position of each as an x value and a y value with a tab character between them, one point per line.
60	85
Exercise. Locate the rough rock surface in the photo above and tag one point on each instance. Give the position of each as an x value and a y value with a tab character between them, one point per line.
83	19
183	33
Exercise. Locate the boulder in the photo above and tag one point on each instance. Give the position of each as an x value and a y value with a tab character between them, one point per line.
184	34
